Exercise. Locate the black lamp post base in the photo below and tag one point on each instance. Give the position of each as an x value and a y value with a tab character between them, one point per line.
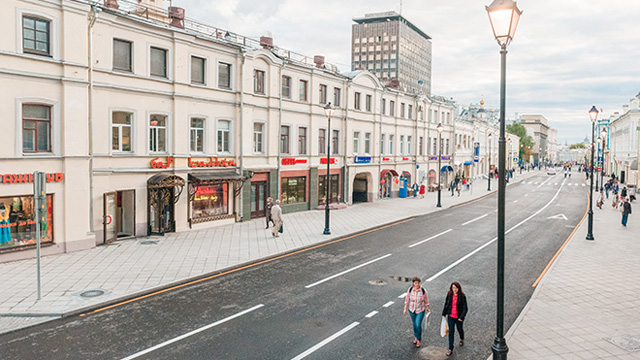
499	349
589	237
326	232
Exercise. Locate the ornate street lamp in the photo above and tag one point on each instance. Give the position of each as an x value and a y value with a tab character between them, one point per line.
504	16
440	129
593	114
328	110
603	135
489	165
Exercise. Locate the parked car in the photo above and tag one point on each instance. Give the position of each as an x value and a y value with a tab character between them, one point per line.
551	171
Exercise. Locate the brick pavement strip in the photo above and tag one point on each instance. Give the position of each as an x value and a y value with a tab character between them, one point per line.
127	268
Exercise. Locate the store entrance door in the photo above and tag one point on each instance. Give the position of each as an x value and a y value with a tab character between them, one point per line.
258	198
119	215
109	217
161	212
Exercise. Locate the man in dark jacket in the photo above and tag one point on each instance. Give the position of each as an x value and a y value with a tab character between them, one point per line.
626	210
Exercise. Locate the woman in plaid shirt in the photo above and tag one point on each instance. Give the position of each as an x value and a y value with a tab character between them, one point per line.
417	303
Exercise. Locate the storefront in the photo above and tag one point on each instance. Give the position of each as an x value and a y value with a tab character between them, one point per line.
334	187
212	195
386	182
259	193
17	224
163	192
119	219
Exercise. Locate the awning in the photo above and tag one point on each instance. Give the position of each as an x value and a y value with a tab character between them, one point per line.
467	163
385	171
165	180
203	178
445	168
406	173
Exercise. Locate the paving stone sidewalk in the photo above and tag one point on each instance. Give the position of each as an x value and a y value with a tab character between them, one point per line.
129	267
588	305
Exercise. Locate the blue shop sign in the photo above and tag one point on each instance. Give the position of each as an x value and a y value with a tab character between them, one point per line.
362	159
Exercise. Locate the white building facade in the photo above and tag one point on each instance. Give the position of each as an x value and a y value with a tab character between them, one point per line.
623	148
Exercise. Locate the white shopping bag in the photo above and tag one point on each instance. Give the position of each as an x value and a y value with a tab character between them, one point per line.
444	327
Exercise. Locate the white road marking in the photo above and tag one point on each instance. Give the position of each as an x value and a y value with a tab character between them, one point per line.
390	303
515	201
326	341
555	183
530	182
402	296
143	352
526	195
494	239
346	271
431	238
539	186
536	183
470	221
584	184
371	314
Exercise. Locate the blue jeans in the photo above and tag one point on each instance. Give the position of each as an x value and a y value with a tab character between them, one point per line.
625	217
606	191
454	323
416	320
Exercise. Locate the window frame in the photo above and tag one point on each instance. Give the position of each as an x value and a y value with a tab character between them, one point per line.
357	100
113	49
367	143
282	144
259	83
383	140
392	110
322	94
356	142
204	70
367	102
391	149
288	95
303	89
166	62
284	189
230	70
322	141
401	144
409	138
120	126
229	133
335	142
337	95
302	140
262	137
35	129
155	127
36	18
203	134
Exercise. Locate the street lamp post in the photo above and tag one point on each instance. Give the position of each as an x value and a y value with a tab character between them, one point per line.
328	110
504	16
593	114
603	135
440	129
489	165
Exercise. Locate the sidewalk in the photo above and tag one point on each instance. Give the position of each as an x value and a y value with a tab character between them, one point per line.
588	304
129	268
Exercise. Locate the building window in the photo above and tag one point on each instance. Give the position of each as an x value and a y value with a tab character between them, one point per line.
367	143
334	189
158	62
401	144
284	139
224	130
196	134
420	145
447	147
158	133
435	146
197	70
36	128
335	142
390	144
336	97
322	138
17	223
392	108
384	107
356	101
210	201
224	75
258	82
410	112
121	131
356	142
302	141
286	87
36	35
303	90
323	94
367	103
258	136
408	145
293	190
402	110
122	55
382	141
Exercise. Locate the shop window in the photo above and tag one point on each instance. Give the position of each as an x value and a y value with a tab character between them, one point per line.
196	134
294	190
224	75
158	133
121	131
17	226
284	139
210	201
224	129
258	136
286	87
322	142
198	65
336	97
258	82
323	94
335	142
36	128
334	189
302	141
122	55
158	62
36	36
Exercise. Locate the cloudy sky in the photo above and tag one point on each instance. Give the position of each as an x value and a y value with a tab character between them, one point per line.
567	55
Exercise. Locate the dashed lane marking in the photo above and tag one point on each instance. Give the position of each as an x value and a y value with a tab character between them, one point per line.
346	271
431	238
388	304
326	341
371	314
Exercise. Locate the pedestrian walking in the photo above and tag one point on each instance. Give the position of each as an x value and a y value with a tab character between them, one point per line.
452	187
422	190
600	200
623	193
455	309
614	204
417	302
459	188
415	189
626	210
607	186
276	217
267	210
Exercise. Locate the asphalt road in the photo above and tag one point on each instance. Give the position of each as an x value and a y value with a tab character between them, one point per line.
340	300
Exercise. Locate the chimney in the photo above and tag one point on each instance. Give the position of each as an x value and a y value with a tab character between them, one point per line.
319	60
176	14
394	84
111	4
266	42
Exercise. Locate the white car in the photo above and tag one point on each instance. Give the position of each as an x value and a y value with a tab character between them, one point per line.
551	171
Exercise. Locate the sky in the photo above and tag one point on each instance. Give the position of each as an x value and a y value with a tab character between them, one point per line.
566	55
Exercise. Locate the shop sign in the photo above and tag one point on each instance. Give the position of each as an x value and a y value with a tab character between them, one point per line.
385	159
331	161
213	162
405	158
446	158
28	178
433	158
362	159
293	161
158	164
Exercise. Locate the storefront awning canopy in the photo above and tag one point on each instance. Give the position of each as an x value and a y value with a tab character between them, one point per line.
165	180
385	171
214	177
445	168
467	163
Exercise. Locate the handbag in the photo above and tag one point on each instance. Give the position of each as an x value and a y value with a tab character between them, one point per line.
444	327
281	228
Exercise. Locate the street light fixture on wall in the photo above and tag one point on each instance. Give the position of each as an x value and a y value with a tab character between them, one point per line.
440	128
593	114
489	165
328	110
504	16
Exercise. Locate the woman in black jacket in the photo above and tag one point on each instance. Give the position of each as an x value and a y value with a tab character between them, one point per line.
455	309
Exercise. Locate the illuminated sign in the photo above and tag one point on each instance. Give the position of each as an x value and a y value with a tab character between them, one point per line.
28	178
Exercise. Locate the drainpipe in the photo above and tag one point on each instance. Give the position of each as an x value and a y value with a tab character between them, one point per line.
416	141
384	89
284	63
92	16
345	182
241	155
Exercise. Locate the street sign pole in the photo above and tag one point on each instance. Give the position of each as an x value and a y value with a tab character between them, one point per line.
39	201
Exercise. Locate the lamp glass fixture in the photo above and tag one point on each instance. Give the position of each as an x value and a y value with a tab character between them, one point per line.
593	113
328	110
440	128
504	16
603	133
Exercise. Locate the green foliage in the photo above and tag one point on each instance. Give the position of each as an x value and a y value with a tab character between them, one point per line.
577	146
519	130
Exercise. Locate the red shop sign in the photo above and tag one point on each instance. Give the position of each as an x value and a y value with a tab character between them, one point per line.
331	161
158	164
293	161
213	162
405	158
385	159
28	178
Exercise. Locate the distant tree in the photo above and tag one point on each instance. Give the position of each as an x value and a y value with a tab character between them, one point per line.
525	140
577	146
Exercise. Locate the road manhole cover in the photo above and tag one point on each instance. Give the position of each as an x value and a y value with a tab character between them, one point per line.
377	282
148	242
92	293
626	342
